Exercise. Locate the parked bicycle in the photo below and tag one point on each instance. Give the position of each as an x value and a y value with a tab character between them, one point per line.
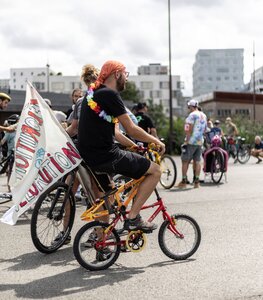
215	160
97	245
237	149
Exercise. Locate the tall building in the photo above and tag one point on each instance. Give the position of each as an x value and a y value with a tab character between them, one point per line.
218	70
153	83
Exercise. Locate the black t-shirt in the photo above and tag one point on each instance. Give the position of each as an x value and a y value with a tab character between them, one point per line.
144	121
96	135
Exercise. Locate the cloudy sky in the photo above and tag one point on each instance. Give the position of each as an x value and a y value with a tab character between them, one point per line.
68	34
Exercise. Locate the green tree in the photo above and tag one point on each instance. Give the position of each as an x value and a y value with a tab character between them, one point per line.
131	93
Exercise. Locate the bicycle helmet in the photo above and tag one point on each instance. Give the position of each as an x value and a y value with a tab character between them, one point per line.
216	141
13	119
4	96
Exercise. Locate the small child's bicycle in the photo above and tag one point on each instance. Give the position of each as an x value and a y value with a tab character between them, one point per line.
97	245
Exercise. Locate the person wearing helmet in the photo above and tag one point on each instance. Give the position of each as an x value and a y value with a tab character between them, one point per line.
217	130
4	100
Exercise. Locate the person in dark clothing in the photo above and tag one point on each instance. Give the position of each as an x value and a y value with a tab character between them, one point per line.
144	121
101	109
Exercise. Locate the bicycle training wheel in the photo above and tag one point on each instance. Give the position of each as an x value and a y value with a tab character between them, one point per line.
5	197
169	171
95	249
52	218
243	154
180	248
217	167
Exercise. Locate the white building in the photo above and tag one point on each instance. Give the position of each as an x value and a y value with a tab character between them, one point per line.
153	83
43	79
218	70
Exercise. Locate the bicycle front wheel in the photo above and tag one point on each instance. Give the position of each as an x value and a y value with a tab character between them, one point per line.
243	154
169	171
180	248
52	218
96	249
217	167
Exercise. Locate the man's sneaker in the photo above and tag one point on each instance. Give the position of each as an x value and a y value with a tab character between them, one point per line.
103	254
182	184
91	240
196	184
259	161
60	236
139	224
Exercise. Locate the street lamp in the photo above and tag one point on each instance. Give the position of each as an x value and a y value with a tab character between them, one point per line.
254	85
170	83
47	65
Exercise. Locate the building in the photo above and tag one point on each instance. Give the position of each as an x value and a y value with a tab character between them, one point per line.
258	81
153	83
220	105
218	70
43	79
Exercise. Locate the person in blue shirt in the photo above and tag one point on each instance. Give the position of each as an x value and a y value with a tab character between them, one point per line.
257	151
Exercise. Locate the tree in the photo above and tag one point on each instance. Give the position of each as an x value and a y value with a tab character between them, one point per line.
131	93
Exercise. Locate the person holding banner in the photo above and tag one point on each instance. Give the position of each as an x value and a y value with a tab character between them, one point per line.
101	109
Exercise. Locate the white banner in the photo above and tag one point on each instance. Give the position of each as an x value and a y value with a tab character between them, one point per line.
43	154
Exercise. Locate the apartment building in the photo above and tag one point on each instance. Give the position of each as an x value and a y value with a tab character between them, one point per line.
152	81
218	70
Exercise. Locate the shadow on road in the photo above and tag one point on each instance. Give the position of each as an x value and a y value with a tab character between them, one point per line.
69	282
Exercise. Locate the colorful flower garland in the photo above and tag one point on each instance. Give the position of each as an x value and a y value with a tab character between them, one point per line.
95	106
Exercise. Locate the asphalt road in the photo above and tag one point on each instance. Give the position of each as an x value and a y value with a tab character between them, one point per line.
228	264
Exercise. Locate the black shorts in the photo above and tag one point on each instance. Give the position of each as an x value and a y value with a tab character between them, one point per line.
125	163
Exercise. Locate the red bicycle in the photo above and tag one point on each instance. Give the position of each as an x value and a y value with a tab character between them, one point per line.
97	245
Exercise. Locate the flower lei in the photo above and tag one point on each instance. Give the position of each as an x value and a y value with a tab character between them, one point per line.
96	108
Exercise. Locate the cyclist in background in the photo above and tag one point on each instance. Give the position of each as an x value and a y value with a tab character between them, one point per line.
231	128
100	110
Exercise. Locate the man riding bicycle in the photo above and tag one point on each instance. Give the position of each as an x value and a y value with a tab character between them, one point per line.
101	109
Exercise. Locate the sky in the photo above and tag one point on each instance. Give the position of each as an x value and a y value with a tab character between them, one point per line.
68	34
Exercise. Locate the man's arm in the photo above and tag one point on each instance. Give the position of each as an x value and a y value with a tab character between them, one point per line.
121	138
138	133
11	128
72	130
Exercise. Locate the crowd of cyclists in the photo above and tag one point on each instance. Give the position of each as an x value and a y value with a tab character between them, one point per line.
98	118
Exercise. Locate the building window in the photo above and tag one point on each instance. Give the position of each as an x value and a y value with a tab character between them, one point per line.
14	74
146	85
39	85
14	80
224	112
164	85
21	74
242	112
32	73
155	94
22	86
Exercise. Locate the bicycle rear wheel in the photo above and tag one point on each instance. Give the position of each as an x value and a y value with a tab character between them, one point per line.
169	171
95	249
243	154
51	223
176	247
217	167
